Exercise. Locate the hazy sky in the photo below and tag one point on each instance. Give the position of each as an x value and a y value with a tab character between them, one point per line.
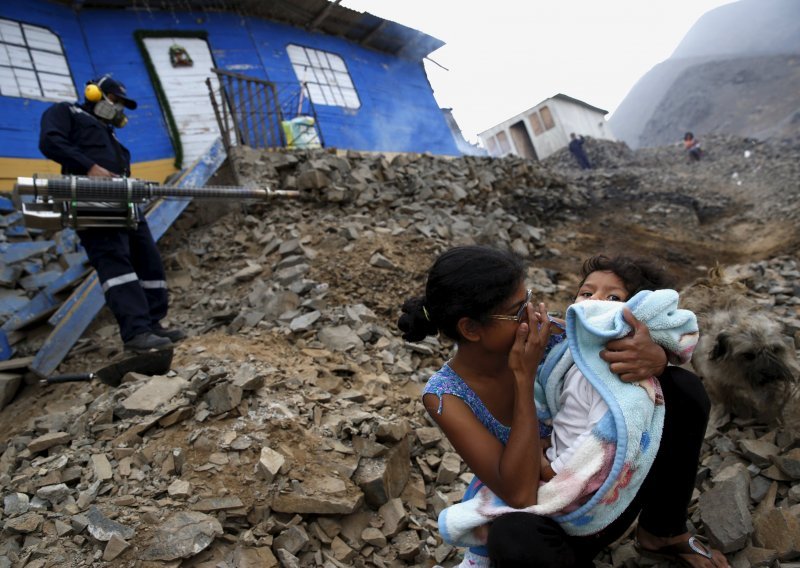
505	56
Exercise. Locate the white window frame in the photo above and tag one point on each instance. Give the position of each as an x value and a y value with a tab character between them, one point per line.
326	76
33	64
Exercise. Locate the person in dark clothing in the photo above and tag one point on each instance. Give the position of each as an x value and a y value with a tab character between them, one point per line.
692	147
576	149
81	138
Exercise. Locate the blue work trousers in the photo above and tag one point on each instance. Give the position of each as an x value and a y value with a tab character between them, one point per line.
131	273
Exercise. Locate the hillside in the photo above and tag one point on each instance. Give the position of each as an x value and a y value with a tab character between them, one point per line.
289	430
735	72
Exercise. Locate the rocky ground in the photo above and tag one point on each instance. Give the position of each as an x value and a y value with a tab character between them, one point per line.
289	430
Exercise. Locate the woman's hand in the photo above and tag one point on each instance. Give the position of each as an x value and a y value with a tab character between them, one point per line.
635	357
529	345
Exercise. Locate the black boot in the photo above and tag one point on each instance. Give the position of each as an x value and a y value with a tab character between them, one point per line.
174	334
147	341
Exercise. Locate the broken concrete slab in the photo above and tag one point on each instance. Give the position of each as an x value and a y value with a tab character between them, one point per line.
156	392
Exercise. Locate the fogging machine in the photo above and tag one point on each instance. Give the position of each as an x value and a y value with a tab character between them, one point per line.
95	202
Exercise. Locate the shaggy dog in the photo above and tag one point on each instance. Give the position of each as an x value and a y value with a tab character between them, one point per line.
747	364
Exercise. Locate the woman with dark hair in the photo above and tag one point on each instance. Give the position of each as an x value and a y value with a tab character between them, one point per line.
483	400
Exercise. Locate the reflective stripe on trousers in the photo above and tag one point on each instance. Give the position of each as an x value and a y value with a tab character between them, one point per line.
133	277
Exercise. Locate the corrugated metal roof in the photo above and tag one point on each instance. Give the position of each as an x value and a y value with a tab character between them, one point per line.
321	15
579	102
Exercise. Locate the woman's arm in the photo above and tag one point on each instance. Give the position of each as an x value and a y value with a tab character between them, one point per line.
635	357
511	471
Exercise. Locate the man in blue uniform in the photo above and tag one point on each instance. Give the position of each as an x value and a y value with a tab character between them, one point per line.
576	148
81	138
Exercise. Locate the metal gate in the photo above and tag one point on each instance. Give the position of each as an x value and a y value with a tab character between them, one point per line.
247	111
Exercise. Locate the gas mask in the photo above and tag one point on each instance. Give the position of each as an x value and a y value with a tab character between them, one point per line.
113	113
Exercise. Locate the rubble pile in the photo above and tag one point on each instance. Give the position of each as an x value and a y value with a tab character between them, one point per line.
290	432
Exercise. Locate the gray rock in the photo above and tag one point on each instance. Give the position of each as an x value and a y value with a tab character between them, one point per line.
287	276
254	557
53	493
48	440
9	385
248	378
223	398
26	523
758	451
287	559
279	303
779	530
379	261
182	535
407	544
102	528
293	539
114	548
394	517
15	504
385	477
724	511
340	338
789	463
269	464
155	393
320	495
305	321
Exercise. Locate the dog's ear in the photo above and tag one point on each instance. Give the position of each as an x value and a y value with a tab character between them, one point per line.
722	347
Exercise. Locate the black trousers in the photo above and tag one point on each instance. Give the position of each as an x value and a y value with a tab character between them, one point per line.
524	539
131	273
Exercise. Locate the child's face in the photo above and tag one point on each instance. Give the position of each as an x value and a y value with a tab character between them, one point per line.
602	285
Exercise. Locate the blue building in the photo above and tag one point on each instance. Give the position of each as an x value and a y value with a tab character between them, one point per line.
362	75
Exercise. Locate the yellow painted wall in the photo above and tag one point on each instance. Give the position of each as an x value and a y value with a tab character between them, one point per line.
155	170
12	168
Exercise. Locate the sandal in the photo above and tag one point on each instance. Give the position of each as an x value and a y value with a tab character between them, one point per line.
673	552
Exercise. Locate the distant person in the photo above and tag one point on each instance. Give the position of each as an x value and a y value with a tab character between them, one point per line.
692	147
576	149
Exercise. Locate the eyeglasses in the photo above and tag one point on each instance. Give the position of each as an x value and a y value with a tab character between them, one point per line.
520	312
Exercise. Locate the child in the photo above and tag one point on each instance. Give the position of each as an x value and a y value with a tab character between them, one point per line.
692	147
483	397
580	405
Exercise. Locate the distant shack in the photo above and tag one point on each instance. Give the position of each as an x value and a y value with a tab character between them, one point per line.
545	128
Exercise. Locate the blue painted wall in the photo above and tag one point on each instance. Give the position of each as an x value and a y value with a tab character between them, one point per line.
398	112
19	117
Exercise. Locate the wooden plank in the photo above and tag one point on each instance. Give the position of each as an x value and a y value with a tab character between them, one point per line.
16	252
42	305
80	293
17	363
68	278
11	301
87	300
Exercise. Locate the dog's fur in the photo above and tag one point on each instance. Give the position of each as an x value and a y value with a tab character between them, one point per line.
747	364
